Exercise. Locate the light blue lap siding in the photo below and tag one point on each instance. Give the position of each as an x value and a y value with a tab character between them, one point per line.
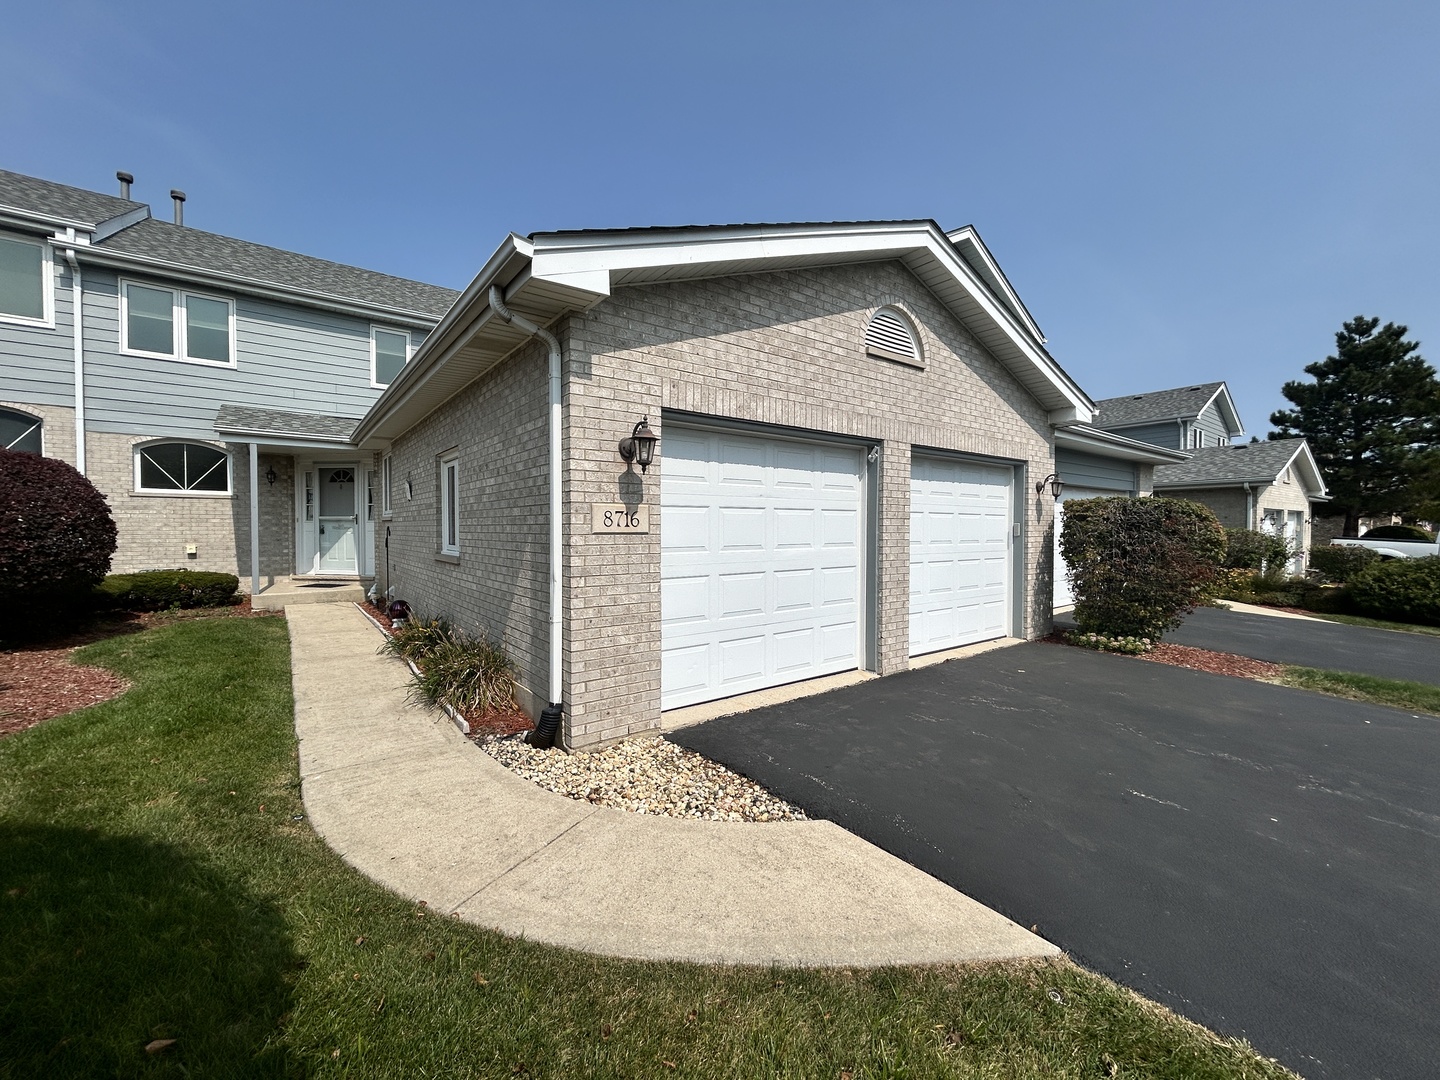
1213	425
287	357
37	363
1166	434
1078	469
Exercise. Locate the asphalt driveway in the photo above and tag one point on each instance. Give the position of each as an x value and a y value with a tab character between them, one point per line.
1263	860
1312	643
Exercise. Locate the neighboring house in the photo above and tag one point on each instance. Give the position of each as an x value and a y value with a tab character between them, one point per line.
853	419
206	384
1271	486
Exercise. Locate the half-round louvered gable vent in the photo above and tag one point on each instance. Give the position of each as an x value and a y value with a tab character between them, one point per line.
890	337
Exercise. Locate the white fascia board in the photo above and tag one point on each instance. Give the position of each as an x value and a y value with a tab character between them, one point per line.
282	439
592	258
1229	413
970	240
1315	481
1108	444
21	215
124	260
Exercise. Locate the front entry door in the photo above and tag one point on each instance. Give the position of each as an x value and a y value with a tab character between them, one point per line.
339	519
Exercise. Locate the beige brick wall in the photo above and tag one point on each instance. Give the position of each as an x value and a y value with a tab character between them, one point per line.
57	428
500	582
1229	504
156	529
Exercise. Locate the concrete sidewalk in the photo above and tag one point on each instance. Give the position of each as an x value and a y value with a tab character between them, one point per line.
411	803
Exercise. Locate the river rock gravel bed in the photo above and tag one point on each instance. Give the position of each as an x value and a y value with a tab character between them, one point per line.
644	776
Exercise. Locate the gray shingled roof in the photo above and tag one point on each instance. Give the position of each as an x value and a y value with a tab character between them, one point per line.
242	418
1258	462
199	250
61	200
1185	401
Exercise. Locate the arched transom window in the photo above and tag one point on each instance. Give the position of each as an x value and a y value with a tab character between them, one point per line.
177	467
891	336
21	431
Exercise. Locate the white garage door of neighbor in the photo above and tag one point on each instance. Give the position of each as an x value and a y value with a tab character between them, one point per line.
960	577
1063	596
760	565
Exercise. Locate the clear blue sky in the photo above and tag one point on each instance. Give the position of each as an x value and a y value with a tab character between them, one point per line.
1179	192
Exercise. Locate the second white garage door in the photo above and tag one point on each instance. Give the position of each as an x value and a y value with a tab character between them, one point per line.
961	515
760	566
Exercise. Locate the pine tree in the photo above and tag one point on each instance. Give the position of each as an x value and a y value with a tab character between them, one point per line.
1371	416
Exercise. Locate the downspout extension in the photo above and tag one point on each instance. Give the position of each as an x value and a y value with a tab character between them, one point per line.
76	299
549	723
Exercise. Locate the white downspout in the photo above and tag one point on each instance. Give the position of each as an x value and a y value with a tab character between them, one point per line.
76	299
549	722
1249	506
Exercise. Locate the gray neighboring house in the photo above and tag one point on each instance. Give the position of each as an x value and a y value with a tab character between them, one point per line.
855	420
208	386
1272	486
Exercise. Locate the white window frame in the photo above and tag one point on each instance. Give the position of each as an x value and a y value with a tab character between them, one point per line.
47	285
387	473
171	492
375	384
178	321
39	423
449	513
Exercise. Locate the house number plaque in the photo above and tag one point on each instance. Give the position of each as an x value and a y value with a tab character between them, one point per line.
619	518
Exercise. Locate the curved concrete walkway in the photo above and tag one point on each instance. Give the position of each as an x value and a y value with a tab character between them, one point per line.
411	803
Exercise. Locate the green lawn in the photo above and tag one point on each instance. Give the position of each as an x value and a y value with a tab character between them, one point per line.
1398	693
158	881
1380	624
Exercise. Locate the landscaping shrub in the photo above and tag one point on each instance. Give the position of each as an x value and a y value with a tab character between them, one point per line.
1250	549
418	638
56	538
1400	532
1402	590
1138	566
160	590
472	675
1129	646
1340	564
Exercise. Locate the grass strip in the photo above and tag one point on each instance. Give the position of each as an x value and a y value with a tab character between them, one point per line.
158	881
1398	693
1380	624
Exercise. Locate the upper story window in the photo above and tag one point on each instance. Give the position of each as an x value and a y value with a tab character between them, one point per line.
21	431
181	468
175	325
891	336
389	352
25	284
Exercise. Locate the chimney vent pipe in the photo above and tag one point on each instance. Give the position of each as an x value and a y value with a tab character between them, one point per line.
179	197
125	181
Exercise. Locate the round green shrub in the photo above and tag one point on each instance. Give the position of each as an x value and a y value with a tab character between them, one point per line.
1138	566
56	537
1341	564
1400	532
160	590
1401	590
1250	549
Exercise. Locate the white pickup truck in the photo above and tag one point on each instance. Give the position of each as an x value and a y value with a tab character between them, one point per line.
1393	549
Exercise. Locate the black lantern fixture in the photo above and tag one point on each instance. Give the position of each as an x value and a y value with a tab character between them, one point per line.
1056	485
271	475
640	446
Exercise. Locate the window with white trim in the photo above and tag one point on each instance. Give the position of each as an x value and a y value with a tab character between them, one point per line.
21	431
182	468
171	324
26	288
389	353
385	475
891	336
450	503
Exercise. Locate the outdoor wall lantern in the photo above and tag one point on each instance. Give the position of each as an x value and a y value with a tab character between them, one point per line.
640	446
1056	485
271	475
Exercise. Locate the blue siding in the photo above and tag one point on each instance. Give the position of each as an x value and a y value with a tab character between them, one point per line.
1213	425
1092	471
37	364
287	357
1166	434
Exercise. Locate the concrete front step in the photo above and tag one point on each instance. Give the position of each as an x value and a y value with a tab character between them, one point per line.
287	591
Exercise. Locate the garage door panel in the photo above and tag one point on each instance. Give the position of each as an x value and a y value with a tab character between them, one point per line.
774	530
961	583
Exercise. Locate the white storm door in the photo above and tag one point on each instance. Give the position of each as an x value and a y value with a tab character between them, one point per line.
961	513
1063	596
760	565
339	519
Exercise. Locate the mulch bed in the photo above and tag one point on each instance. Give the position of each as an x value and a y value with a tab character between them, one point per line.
41	681
1217	663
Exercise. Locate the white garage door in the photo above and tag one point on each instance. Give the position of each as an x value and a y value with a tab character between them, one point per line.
1063	596
960	580
760	566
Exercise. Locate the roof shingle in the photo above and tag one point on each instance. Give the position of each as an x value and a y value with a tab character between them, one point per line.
1257	462
60	200
1183	402
243	418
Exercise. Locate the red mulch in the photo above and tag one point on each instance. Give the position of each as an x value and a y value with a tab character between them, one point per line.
491	722
40	681
1217	663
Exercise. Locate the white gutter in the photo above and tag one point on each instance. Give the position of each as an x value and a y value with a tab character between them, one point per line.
545	730
77	300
